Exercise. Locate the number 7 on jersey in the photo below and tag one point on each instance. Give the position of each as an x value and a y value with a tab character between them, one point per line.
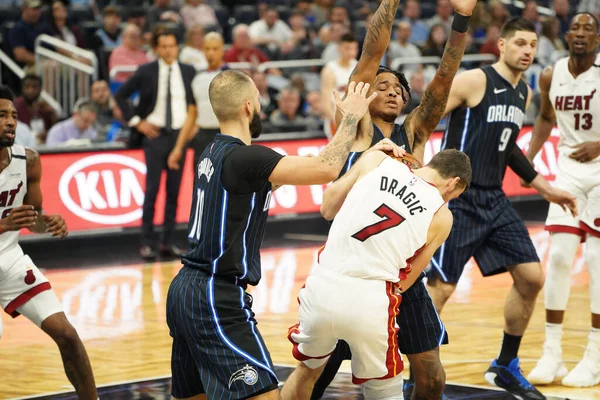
391	219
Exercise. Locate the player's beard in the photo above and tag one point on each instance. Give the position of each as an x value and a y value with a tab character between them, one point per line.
6	142
256	126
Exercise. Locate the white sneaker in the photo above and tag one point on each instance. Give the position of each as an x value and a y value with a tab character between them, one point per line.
549	368
587	372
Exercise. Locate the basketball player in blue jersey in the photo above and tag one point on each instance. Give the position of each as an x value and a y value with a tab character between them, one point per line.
487	107
421	330
218	353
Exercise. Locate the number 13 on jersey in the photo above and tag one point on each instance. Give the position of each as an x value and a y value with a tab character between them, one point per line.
194	234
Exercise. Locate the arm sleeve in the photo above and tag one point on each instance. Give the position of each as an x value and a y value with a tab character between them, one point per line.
521	165
247	168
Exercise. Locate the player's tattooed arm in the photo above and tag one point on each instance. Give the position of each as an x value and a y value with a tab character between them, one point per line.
376	42
53	224
423	120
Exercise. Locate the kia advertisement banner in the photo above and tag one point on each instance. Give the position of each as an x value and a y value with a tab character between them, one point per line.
96	190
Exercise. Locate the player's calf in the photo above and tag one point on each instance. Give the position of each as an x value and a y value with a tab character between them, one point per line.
440	292
300	384
428	374
75	359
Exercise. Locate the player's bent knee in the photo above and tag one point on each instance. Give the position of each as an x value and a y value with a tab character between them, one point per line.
529	279
60	330
430	384
387	389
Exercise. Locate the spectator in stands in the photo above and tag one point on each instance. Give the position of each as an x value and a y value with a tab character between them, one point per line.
443	15
563	14
332	38
242	49
192	53
436	41
498	12
137	16
109	36
320	11
288	103
338	14
417	88
24	136
591	6
162	11
334	77
21	37
401	47
32	110
549	40
412	15
165	108
107	109
315	105
530	12
129	53
268	102
490	46
79	126
303	36
272	34
197	12
57	26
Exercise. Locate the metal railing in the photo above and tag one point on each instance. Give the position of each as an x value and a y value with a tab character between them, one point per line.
240	65
67	71
400	61
20	73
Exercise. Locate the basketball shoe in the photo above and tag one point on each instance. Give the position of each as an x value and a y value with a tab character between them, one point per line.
587	372
512	380
549	367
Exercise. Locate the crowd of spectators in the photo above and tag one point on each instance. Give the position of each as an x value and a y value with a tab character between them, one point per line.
118	31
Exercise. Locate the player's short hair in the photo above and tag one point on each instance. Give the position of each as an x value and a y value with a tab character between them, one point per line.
453	163
401	77
6	93
348	38
515	25
590	15
227	92
111	11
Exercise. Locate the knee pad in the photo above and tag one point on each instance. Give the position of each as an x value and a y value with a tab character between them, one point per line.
41	307
386	389
558	270
592	259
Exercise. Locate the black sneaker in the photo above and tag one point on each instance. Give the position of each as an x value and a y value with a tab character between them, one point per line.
512	380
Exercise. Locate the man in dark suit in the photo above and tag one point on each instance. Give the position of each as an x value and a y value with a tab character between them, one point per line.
166	102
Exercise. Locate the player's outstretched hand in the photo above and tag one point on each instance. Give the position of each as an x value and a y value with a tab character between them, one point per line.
463	7
387	146
564	199
585	152
56	225
356	102
19	217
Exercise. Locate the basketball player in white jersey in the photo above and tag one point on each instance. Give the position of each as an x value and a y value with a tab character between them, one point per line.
571	97
335	77
388	223
23	288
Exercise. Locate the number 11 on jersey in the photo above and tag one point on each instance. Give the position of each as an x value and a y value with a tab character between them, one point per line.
194	234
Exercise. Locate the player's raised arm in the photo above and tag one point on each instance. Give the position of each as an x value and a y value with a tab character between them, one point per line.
424	119
546	118
53	224
376	42
439	230
327	165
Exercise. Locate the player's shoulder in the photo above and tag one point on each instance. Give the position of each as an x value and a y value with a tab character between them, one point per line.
443	219
32	156
546	77
475	76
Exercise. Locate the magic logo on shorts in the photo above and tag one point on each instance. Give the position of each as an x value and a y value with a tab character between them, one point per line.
247	374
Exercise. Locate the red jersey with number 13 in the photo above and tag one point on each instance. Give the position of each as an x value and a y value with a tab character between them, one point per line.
382	224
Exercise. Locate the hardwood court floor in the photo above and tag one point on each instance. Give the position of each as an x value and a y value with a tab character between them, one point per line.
120	314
